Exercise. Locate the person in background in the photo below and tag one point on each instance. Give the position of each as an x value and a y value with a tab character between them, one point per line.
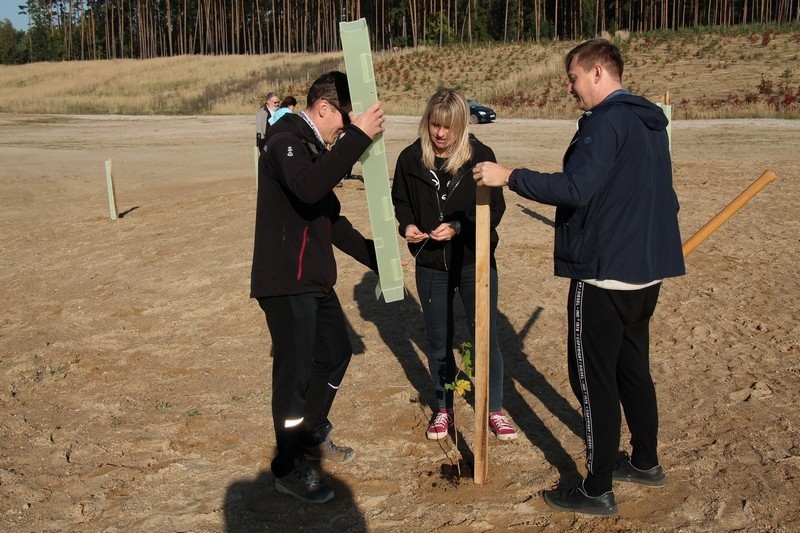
617	238
265	112
434	201
298	222
287	106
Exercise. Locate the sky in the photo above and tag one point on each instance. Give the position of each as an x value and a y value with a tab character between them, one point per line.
9	10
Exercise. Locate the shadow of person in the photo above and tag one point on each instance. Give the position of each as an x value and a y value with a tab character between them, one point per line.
401	328
356	341
253	505
519	368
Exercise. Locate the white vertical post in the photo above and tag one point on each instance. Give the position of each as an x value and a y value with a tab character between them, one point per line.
256	153
112	197
666	107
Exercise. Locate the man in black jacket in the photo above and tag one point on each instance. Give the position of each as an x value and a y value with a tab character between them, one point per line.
298	222
617	237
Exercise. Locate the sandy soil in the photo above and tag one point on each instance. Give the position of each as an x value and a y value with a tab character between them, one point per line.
136	371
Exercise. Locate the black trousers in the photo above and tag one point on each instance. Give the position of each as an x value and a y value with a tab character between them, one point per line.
311	352
609	364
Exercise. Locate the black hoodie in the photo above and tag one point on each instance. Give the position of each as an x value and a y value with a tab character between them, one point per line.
297	214
416	201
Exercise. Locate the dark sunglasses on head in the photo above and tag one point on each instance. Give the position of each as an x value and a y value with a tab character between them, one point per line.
345	114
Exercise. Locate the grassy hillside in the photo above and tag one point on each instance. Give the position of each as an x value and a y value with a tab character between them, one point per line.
740	72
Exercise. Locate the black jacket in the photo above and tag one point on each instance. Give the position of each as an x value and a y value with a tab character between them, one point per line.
617	213
297	214
416	202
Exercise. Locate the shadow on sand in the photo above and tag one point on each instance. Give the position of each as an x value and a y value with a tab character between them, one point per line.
401	327
253	505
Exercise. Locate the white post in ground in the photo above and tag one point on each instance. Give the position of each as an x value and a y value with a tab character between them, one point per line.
666	107
256	153
112	197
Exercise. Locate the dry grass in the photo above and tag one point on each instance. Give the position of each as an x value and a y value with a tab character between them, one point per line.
749	74
217	85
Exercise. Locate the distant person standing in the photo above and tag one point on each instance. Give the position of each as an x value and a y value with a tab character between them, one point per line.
617	238
265	112
287	106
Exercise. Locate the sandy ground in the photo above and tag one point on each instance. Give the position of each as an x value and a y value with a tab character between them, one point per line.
136	372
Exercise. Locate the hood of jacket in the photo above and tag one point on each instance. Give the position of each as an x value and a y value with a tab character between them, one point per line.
650	114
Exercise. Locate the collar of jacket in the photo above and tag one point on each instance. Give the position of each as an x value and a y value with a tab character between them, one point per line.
296	125
423	173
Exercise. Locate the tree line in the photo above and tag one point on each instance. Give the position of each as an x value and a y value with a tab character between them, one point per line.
111	29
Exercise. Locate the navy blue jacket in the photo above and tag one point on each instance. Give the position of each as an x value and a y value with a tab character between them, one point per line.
617	213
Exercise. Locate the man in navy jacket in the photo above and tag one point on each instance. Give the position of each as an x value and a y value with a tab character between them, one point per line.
616	239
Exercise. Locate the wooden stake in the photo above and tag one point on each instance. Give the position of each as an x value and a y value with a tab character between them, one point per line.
711	226
112	197
482	325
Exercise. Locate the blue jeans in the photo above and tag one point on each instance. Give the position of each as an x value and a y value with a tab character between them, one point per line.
436	289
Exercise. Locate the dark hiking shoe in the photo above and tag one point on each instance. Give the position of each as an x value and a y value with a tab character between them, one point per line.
329	451
577	501
626	472
305	484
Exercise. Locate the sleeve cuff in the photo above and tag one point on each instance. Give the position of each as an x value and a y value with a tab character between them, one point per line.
512	182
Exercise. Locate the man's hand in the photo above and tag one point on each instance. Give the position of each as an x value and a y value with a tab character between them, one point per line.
491	174
370	121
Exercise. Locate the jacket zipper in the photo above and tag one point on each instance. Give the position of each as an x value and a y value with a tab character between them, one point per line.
302	252
441	212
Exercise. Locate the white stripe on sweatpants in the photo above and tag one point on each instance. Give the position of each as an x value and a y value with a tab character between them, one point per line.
577	317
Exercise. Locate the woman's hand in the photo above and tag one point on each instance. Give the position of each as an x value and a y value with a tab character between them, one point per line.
444	232
414	235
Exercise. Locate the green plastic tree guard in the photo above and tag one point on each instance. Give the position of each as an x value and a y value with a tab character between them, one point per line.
363	93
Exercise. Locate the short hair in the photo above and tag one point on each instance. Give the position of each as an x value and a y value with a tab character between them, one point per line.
289	100
594	52
446	107
270	95
330	86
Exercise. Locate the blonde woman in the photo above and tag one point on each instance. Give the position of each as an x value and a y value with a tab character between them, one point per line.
434	200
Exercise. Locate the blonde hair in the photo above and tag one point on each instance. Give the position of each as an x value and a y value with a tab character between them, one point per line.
446	108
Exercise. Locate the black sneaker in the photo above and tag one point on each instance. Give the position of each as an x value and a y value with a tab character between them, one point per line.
626	472
577	501
305	484
329	451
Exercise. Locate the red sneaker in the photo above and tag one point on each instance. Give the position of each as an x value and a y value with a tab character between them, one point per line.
440	424
501	427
